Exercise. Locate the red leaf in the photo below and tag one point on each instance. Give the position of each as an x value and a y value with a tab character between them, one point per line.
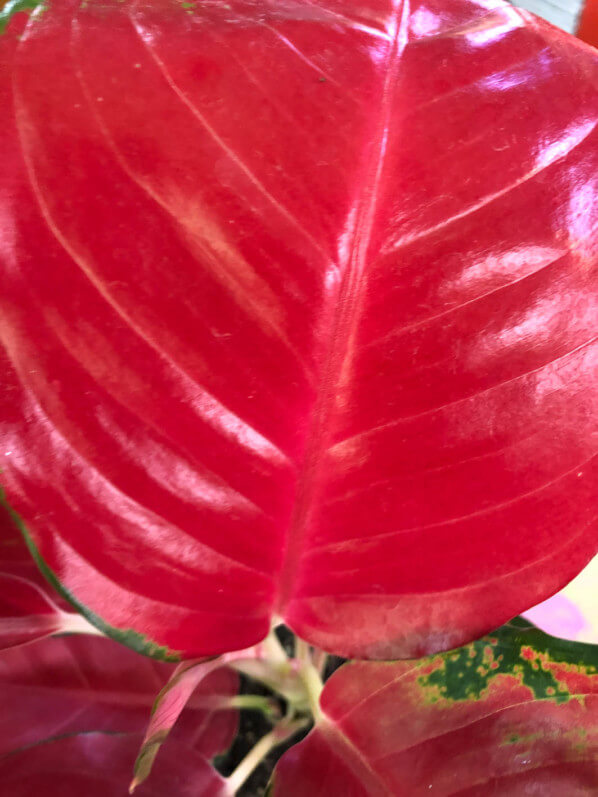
14	556
167	709
27	610
96	765
514	714
27	614
76	684
299	309
588	23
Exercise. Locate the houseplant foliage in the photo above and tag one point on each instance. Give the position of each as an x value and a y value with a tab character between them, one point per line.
588	23
74	711
507	714
298	321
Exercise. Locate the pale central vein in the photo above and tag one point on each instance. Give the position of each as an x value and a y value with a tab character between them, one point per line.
342	312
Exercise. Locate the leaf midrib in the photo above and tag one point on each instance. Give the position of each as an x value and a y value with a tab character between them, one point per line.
341	314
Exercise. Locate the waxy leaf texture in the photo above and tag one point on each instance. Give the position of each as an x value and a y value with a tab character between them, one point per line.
299	311
73	714
66	686
98	764
29	608
511	715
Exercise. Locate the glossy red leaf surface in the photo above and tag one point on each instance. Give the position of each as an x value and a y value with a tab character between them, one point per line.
97	765
15	558
81	684
299	313
26	614
513	714
29	608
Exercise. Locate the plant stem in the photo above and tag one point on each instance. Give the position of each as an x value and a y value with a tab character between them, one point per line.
274	651
320	658
313	686
302	652
310	677
285	681
267	705
279	734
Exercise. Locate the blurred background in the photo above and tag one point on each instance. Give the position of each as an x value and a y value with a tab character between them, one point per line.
565	14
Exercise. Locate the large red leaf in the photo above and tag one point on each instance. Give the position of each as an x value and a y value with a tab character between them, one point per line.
27	614
15	558
97	765
514	714
80	684
28	608
299	311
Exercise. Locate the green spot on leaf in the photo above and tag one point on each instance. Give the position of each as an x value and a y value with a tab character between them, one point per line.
525	654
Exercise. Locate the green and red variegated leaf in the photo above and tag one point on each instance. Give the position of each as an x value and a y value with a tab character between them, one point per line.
298	316
29	608
81	684
513	714
99	765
